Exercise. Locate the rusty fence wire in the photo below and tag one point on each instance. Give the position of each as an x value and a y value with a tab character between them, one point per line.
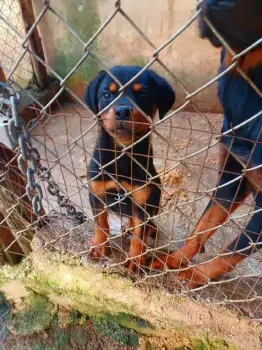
11	32
185	154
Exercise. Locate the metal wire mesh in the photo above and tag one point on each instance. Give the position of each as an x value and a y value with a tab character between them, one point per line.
11	32
186	146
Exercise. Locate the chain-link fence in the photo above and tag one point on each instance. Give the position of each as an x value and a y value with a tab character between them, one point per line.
57	146
11	32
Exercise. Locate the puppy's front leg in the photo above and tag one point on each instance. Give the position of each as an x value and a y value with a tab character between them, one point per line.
101	226
137	245
100	237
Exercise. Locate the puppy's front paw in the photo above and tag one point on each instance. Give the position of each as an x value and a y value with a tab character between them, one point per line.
99	248
135	263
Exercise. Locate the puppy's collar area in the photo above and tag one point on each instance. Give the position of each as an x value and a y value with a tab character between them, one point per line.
120	198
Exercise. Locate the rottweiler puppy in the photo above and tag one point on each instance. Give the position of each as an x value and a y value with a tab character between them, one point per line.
240	156
120	180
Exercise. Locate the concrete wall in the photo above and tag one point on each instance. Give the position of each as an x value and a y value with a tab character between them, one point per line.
193	61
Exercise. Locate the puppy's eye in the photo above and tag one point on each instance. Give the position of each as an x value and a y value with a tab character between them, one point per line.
106	95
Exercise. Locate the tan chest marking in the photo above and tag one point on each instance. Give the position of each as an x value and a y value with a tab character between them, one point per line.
140	194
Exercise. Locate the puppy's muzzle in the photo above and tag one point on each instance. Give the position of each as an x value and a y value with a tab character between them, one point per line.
123	113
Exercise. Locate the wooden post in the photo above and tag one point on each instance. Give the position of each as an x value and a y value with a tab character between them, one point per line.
2	75
34	42
15	182
7	239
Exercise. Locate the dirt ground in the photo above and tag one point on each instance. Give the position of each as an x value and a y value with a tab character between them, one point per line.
66	140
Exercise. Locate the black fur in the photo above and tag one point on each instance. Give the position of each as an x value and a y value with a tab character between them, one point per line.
238	21
240	24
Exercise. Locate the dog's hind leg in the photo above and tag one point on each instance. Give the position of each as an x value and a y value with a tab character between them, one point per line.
241	247
230	193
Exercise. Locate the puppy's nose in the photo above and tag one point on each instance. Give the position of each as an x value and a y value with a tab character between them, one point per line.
122	113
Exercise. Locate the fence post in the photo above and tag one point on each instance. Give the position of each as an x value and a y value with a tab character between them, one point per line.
34	42
2	75
12	187
8	239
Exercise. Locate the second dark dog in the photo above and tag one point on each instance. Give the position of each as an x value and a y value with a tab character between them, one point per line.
122	184
240	156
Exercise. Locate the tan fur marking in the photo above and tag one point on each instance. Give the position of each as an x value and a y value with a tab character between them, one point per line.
113	87
137	87
137	245
250	60
140	195
100	187
108	118
254	178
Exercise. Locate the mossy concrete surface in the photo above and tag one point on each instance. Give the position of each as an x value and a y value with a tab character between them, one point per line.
112	299
83	17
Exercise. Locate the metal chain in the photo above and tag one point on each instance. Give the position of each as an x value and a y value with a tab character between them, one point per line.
29	158
53	190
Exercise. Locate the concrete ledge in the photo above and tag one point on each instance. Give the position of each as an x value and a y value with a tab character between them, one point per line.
97	294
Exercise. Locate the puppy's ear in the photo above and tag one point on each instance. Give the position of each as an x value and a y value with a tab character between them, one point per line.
92	90
164	94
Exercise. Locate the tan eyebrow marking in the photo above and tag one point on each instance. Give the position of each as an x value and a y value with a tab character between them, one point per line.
137	87
112	87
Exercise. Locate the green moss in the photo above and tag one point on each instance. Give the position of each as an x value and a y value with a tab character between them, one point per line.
37	316
60	342
209	344
76	318
81	297
70	319
3	278
121	328
5	316
219	344
84	19
131	322
120	334
139	61
46	284
7	272
150	346
199	345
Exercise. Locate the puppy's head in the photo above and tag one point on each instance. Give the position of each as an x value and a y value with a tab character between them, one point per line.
123	119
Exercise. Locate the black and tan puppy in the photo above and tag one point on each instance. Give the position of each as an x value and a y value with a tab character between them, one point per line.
119	180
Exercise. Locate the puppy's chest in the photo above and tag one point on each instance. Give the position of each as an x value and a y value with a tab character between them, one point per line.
121	177
127	170
111	190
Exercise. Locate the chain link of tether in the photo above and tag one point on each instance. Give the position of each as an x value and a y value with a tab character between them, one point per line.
29	157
